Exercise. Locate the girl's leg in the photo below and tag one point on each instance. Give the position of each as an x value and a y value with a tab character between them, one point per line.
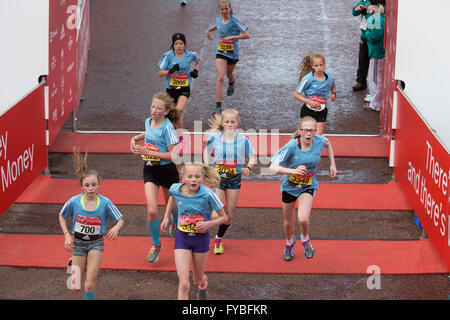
230	76
305	202
182	102
78	266
221	68
154	223
182	263
320	128
289	219
94	258
199	261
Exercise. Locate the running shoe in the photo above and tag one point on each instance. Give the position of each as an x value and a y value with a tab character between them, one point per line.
368	98
183	3
289	251
218	246
202	294
153	254
217	111
230	90
308	249
359	86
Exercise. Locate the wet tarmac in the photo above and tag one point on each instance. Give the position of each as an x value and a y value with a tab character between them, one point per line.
127	41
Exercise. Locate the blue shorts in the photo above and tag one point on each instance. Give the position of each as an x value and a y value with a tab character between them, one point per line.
195	242
82	247
230	183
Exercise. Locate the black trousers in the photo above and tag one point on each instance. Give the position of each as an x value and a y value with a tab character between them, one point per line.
363	62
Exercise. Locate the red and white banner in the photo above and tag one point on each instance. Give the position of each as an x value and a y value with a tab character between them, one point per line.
62	77
389	82
23	149
422	166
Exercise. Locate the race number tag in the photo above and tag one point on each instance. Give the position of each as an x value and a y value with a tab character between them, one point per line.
320	100
179	80
303	181
187	223
225	46
226	169
87	228
151	160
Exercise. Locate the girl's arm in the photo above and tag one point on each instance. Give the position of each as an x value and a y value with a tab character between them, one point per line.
209	30
163	73
248	169
199	63
277	169
333	94
133	141
243	36
112	234
138	149
207	156
68	241
170	206
330	153
203	226
301	98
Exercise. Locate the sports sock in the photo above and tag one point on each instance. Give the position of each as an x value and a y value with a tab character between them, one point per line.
89	295
304	238
154	230
290	242
222	229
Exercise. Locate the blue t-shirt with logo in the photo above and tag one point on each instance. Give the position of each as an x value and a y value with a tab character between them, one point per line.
291	156
192	209
234	27
182	77
159	139
90	224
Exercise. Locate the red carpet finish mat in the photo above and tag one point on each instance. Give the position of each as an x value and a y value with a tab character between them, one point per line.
362	147
242	256
253	194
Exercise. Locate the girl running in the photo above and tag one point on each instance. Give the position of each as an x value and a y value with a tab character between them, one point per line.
195	203
160	141
175	65
298	160
89	213
314	89
231	30
230	149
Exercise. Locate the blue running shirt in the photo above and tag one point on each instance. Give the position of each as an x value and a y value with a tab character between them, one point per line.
229	157
90	224
291	156
316	90
182	77
159	139
234	27
195	208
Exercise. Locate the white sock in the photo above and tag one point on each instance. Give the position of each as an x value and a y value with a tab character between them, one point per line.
304	238
289	242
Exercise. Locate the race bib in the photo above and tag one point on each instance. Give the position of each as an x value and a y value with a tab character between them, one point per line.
187	223
179	80
87	228
226	169
303	181
320	100
151	160
225	46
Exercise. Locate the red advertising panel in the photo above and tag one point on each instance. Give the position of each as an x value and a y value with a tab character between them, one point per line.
83	40
389	82
422	166
23	149
61	79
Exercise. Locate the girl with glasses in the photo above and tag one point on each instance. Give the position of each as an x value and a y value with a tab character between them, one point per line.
298	161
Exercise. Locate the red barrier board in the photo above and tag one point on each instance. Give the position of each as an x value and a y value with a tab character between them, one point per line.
61	79
422	166
389	82
23	150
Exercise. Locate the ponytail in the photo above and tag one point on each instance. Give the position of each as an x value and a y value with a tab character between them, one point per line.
210	175
174	114
81	169
217	121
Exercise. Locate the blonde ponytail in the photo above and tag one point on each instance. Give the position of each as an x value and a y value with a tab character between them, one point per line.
306	64
81	169
210	175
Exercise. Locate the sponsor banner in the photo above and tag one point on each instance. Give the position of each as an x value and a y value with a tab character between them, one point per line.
61	79
23	149
83	42
389	82
422	166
